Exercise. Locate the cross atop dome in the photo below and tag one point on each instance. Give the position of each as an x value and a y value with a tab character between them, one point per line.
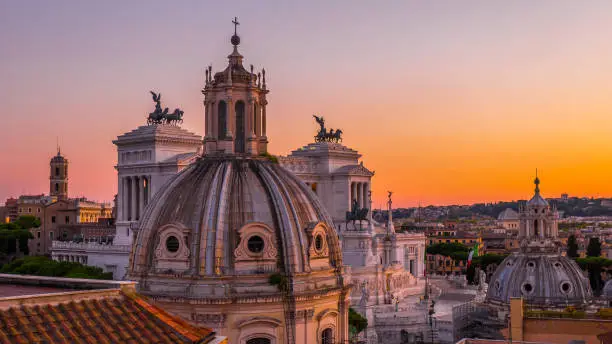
537	182
235	38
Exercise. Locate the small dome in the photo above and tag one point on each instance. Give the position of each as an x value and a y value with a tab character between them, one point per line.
539	278
607	290
229	216
58	158
538	201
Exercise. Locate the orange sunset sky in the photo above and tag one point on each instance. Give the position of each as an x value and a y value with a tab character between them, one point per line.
450	102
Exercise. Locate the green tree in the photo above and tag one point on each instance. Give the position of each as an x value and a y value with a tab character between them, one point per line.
28	222
43	266
572	247
17	233
357	323
594	248
594	266
470	274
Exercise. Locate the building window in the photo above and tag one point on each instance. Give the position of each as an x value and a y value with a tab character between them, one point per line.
258	340
57	171
67	219
56	187
327	336
52	219
172	244
255	244
29	210
20	210
38	210
51	235
38	235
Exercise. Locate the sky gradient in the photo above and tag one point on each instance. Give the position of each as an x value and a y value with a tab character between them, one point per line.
450	102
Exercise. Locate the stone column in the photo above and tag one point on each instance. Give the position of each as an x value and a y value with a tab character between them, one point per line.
263	118
208	116
230	118
364	192
257	117
134	198
249	125
361	195
141	194
353	194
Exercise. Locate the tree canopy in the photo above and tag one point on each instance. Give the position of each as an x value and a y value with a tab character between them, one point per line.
43	266
357	322
17	232
572	247
453	250
594	248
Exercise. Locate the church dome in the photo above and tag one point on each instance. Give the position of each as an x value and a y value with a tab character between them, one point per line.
539	278
538	272
229	216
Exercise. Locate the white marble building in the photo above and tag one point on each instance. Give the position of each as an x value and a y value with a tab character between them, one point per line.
385	265
146	158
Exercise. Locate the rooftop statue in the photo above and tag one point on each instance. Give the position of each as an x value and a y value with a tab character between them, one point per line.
323	135
159	116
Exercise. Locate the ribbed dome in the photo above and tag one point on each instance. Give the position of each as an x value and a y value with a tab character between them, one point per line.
229	216
539	278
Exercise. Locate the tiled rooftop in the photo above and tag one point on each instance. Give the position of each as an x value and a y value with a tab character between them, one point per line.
46	314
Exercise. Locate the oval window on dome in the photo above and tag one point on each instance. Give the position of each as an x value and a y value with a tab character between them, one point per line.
172	244
319	242
527	288
566	287
255	244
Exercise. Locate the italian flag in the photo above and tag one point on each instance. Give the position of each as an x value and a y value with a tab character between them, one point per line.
473	253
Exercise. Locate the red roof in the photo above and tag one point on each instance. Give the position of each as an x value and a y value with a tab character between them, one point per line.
120	319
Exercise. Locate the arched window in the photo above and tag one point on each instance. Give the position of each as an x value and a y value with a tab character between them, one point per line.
56	187
327	336
258	341
535	228
221	123
57	171
240	132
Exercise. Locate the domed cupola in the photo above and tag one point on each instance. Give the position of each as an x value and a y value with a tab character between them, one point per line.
539	272
238	243
235	106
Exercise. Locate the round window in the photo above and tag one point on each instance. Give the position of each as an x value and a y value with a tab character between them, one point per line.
566	287
527	288
319	242
255	244
531	265
172	244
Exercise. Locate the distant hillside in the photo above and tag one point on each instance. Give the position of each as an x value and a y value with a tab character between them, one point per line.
571	207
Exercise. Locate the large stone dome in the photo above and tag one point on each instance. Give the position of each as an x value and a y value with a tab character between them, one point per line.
540	278
232	216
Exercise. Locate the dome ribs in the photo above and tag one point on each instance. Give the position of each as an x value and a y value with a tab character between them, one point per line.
198	225
209	222
215	253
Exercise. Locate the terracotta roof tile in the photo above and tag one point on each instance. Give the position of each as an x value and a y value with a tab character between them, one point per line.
123	319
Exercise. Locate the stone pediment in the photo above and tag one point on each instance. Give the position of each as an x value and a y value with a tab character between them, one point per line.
354	170
331	149
158	133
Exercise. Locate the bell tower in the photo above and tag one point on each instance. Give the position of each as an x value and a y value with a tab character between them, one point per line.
538	222
58	176
235	107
